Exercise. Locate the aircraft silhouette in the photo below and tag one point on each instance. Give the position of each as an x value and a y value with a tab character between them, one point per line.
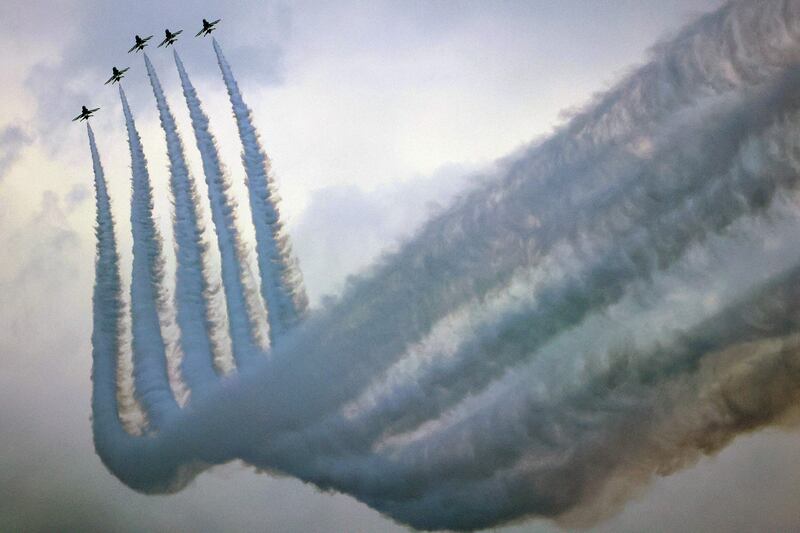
85	114
208	27
140	43
116	75
170	37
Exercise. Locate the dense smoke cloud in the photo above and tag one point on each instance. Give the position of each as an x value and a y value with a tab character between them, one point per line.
618	300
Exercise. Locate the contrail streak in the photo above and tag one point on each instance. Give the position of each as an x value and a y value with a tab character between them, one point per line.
281	285
149	355
191	282
223	215
107	308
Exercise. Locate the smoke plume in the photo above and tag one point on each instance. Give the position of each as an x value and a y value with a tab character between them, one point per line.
617	301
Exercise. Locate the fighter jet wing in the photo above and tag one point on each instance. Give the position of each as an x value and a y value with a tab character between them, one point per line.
177	33
109	80
133	48
93	110
166	39
215	22
123	71
77	118
199	33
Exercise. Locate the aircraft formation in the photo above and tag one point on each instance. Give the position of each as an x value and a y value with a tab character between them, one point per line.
139	44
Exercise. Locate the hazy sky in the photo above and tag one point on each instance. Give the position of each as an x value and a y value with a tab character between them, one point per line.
372	112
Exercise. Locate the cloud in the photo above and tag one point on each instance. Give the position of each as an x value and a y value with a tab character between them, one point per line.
345	229
13	140
77	195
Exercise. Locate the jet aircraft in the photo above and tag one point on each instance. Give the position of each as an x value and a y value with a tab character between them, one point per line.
208	27
170	38
140	43
116	75
85	114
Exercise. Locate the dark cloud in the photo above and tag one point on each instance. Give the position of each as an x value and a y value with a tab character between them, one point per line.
345	229
12	140
78	194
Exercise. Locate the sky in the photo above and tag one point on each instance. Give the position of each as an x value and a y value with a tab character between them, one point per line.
375	115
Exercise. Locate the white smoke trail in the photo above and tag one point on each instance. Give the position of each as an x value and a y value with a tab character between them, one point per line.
107	308
223	214
281	284
149	355
545	343
191	282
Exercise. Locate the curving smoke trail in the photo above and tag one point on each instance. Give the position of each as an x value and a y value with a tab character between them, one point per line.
281	283
108	308
136	459
223	215
191	282
151	380
621	299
